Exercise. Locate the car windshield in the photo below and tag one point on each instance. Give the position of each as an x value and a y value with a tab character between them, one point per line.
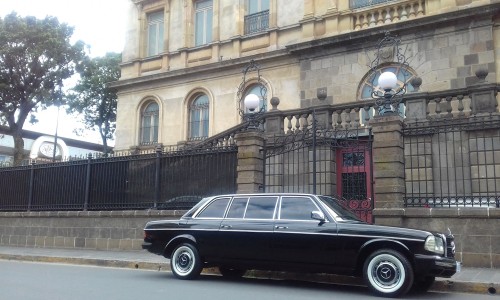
338	209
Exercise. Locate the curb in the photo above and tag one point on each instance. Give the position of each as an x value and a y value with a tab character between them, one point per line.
450	286
441	285
88	262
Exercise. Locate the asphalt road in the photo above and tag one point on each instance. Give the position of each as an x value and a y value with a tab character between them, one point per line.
27	280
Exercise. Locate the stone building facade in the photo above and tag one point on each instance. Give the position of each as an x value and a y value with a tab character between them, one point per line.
183	60
182	82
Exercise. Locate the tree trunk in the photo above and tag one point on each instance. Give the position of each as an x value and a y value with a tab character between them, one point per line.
18	148
104	142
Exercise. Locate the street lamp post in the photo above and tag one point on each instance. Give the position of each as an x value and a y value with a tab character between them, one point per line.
249	105
388	92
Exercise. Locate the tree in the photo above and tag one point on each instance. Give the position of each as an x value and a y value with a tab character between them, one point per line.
35	58
93	98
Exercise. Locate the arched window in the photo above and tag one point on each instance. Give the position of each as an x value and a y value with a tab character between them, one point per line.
149	124
199	118
370	84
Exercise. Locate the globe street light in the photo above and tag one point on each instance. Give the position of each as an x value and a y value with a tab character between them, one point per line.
249	101
388	92
252	103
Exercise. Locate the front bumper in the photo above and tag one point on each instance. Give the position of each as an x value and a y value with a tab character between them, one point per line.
431	265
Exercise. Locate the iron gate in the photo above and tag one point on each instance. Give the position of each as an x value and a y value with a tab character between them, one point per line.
333	161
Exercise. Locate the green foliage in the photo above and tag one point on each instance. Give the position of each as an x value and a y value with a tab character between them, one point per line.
93	97
35	58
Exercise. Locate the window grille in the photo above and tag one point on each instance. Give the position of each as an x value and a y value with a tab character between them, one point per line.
149	124
199	120
257	22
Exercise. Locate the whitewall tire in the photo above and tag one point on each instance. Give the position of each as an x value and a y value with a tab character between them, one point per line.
388	273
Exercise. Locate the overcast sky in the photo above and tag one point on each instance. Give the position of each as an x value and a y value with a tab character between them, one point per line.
98	23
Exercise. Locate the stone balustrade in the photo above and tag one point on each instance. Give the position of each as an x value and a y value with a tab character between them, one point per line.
386	14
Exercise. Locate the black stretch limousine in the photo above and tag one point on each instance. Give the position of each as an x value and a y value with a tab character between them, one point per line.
299	232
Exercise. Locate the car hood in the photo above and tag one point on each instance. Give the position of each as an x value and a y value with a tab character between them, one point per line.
359	228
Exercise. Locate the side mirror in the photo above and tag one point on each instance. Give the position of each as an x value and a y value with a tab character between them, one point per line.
317	215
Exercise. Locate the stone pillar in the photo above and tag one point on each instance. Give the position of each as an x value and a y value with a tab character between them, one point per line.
250	167
388	161
274	119
416	106
483	95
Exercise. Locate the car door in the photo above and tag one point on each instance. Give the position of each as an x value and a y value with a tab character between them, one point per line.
247	229
303	242
206	224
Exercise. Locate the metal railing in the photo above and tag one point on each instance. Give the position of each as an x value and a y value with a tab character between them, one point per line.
163	180
257	22
453	162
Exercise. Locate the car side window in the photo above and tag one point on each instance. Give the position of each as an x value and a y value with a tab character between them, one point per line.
216	209
261	207
297	208
237	208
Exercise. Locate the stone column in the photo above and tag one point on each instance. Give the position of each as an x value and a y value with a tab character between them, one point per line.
388	161
250	167
274	119
483	94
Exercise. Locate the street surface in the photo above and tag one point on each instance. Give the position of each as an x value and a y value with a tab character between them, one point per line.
27	281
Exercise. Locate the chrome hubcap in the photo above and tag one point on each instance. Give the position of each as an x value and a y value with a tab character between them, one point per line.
386	273
183	260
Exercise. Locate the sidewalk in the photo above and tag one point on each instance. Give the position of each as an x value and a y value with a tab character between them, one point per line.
470	280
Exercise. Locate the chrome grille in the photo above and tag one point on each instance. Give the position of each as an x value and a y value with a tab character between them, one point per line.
450	245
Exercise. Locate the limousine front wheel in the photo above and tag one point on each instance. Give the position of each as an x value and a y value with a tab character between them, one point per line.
185	262
388	273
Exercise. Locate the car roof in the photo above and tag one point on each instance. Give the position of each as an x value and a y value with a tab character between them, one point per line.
264	194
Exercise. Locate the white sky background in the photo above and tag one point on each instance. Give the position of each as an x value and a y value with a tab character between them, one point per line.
98	23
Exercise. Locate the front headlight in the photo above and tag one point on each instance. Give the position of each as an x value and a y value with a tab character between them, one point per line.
434	244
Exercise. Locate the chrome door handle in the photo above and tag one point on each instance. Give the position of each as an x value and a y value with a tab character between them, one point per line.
225	226
281	227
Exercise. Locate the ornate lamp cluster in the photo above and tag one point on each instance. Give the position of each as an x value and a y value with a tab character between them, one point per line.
249	106
387	100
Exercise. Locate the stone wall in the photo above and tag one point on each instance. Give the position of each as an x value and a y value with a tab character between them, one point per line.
475	229
101	230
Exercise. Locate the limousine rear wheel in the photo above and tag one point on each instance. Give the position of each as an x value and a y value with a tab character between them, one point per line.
185	262
388	273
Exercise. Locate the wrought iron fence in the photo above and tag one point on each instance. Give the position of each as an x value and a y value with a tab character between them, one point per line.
328	161
163	180
453	162
257	22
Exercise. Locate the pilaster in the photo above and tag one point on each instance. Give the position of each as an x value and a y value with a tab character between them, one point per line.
388	161
250	169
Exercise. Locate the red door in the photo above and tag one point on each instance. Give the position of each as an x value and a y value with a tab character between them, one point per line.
354	180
